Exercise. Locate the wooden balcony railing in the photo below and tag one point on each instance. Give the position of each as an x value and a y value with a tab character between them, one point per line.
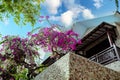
107	56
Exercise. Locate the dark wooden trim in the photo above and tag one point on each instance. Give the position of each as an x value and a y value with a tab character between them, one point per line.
96	33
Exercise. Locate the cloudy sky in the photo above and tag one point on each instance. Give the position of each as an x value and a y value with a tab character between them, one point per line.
69	11
63	12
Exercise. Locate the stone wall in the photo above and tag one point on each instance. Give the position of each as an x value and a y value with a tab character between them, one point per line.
75	67
83	69
57	71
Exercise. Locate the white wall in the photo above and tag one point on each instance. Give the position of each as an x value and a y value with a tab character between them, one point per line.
115	66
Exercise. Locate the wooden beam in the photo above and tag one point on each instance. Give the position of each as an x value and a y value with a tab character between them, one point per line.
109	38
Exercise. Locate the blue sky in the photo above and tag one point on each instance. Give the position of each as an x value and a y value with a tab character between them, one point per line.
62	12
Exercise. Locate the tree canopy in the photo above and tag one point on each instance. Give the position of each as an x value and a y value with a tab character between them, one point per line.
23	11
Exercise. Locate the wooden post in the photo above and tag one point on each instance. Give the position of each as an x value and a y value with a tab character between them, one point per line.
109	38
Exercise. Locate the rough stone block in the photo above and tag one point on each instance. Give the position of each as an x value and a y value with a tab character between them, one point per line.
75	67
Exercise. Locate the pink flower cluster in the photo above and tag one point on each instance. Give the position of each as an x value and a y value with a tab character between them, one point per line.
52	40
17	47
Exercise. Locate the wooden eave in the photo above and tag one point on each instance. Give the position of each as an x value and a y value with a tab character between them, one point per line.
96	33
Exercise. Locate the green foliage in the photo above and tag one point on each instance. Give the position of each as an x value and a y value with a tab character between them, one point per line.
40	68
23	11
0	35
117	4
21	75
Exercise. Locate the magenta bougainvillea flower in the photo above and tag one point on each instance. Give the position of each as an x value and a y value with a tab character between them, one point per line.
18	47
56	41
14	53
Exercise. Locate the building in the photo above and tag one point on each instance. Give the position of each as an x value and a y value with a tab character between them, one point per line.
100	40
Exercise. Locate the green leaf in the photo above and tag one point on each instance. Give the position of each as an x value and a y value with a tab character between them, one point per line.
23	11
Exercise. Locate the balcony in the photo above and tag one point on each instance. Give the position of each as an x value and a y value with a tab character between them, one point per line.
107	56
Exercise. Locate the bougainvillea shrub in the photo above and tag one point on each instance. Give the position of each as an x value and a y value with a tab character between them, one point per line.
17	58
17	55
57	42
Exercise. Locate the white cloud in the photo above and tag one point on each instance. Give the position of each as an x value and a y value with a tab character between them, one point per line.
6	21
77	10
67	18
97	3
87	14
69	3
55	18
53	5
73	11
